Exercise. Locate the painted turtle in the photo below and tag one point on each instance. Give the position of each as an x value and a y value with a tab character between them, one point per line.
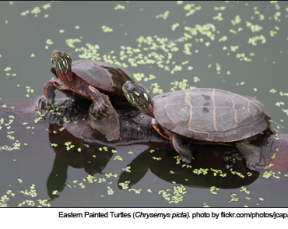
204	114
84	79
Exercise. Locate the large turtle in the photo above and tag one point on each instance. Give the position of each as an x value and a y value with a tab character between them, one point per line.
207	116
85	79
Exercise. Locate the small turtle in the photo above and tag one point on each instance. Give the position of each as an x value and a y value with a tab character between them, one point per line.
85	79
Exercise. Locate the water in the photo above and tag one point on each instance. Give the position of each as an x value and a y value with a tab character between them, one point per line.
28	41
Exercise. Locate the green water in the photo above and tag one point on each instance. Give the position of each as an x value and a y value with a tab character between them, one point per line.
235	46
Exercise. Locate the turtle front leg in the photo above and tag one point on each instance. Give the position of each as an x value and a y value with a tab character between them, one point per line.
230	158
49	88
100	106
184	151
254	158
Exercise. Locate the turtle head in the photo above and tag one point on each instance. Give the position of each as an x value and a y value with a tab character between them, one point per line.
139	97
61	60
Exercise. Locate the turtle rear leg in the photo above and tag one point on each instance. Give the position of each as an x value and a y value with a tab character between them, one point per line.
254	158
184	151
100	106
108	125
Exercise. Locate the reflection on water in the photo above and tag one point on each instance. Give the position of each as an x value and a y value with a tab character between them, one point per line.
77	147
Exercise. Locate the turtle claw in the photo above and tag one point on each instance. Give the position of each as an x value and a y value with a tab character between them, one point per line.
96	110
185	159
252	165
102	110
45	105
42	103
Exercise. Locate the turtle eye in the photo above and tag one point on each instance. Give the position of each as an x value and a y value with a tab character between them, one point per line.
130	88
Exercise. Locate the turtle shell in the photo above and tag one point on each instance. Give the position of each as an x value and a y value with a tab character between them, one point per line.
107	78
210	114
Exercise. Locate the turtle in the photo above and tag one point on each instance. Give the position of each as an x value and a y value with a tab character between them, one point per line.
86	79
205	116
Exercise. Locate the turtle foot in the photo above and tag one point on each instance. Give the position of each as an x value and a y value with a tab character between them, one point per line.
96	113
254	158
99	109
230	158
185	159
44	104
256	163
182	148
